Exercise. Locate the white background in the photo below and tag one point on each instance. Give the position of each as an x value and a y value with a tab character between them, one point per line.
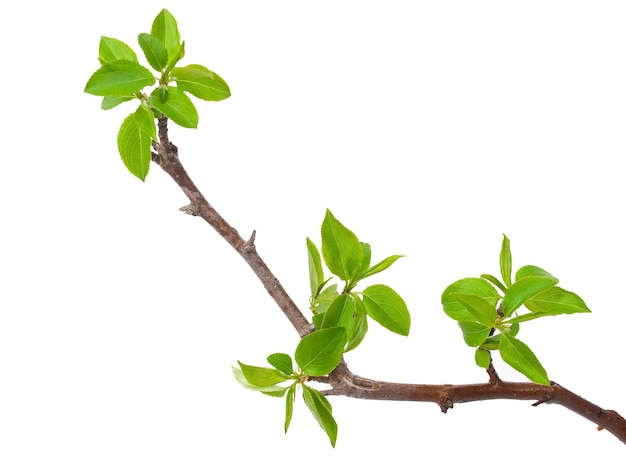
428	128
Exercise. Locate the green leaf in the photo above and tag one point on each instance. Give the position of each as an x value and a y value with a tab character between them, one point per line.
379	267
165	29
533	271
492	343
163	93
521	358
145	121
178	107
282	362
180	53
505	261
482	310
262	376
527	317
555	301
474	334
112	50
154	50
324	299
482	358
475	286
340	247
359	327
366	251
322	411
340	313
316	272
386	307
201	82
119	78
494	280
274	391
319	352
135	146
523	290
271	390
343	312
110	102
291	393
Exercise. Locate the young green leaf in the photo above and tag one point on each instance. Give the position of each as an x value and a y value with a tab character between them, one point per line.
262	376
154	50
316	272
366	251
475	286
340	313
482	310
291	393
341	249
528	271
120	78
135	146
359	327
180	53
386	307
165	29
322	411
492	343
318	353
282	362
555	301
112	50
271	390
482	358
505	261
474	334
323	300
178	107
201	82
523	290
145	121
494	280
521	358
379	267
515	320
110	102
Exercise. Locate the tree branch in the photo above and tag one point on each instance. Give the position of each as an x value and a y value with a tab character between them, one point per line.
345	383
166	157
342	380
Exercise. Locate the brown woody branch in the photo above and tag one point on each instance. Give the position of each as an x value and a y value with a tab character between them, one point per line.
342	380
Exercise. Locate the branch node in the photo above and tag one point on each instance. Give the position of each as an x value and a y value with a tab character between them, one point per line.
189	209
248	246
446	403
547	398
361	382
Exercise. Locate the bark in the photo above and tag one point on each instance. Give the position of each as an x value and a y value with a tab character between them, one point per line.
342	381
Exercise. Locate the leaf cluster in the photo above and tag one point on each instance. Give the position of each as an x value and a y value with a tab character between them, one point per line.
486	309
122	78
317	354
340	319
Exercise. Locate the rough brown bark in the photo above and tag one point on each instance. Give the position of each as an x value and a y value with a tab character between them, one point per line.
342	381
